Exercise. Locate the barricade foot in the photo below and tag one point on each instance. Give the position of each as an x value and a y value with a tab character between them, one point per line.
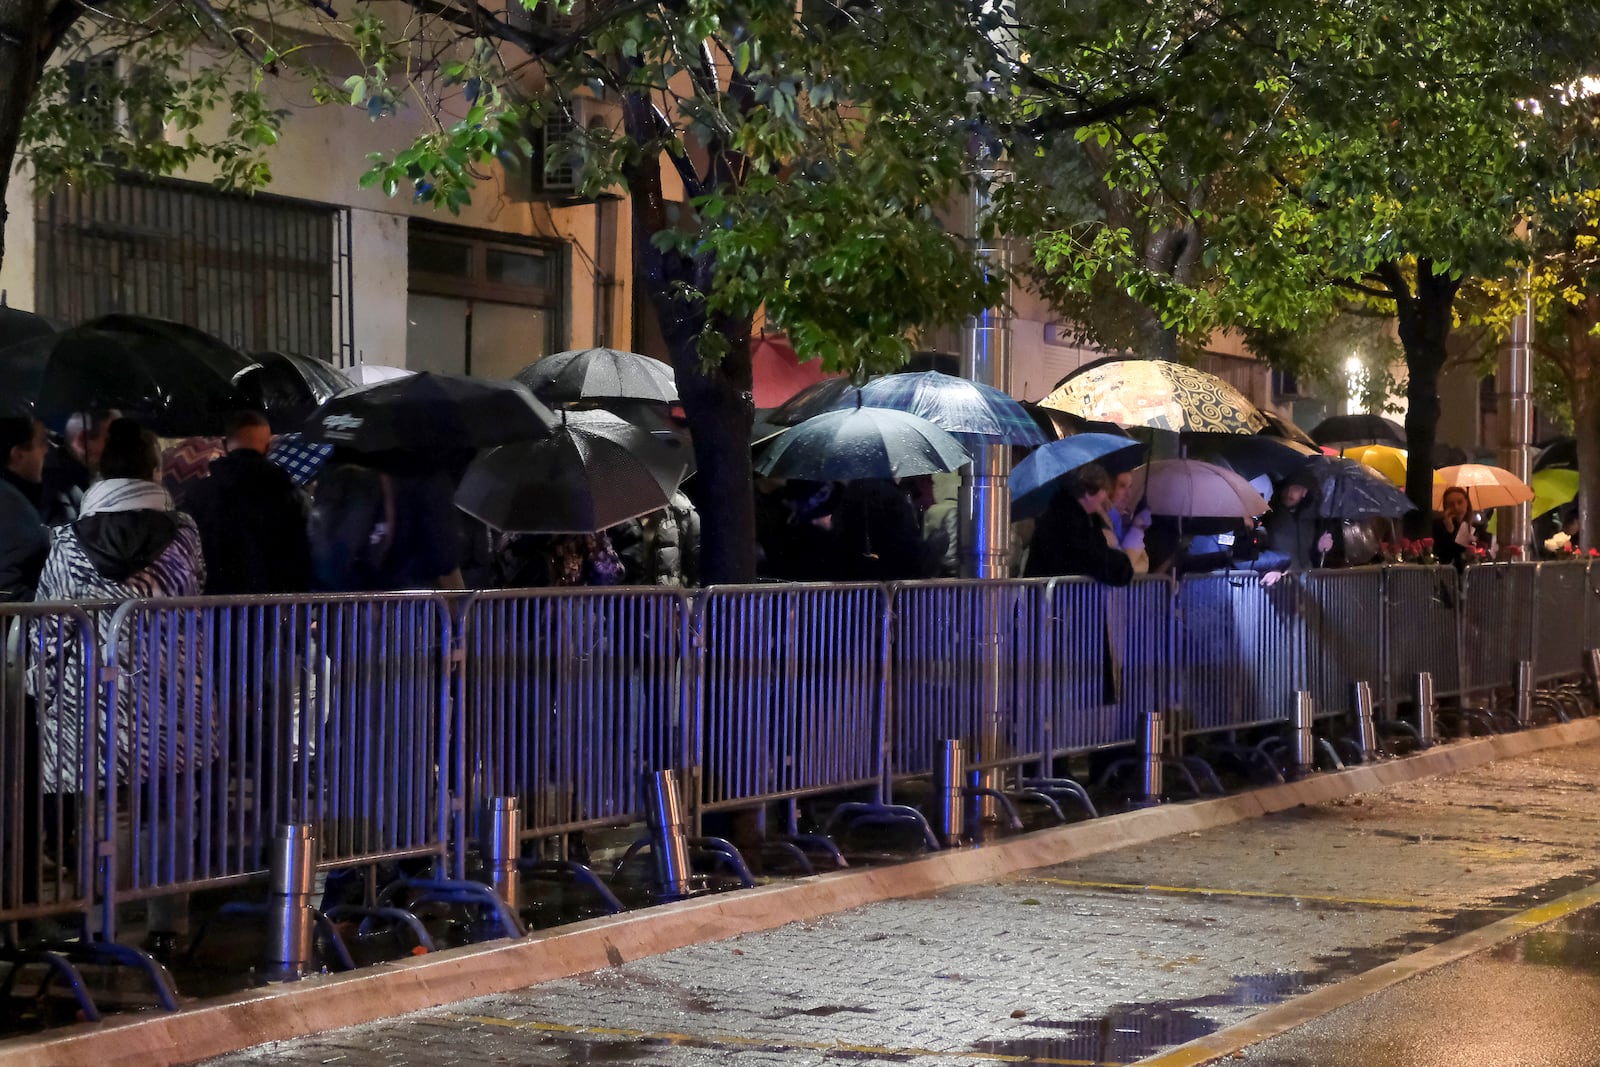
367	927
57	966
579	873
1059	788
859	813
492	913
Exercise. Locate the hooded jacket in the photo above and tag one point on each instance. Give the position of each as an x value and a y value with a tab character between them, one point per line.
252	523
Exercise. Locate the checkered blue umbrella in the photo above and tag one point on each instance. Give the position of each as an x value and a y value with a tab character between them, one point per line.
300	459
972	413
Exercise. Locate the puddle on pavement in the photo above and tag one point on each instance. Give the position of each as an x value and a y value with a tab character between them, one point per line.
1572	944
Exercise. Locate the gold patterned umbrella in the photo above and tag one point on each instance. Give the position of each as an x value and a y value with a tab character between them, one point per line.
1157	393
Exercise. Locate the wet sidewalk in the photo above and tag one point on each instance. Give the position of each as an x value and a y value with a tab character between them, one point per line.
1101	961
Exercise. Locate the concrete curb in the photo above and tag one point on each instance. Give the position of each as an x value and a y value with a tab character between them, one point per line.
327	1002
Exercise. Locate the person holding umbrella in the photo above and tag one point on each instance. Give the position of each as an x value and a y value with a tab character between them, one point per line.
1294	526
1072	536
1456	534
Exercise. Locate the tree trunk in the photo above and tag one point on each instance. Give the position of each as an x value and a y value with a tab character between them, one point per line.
1586	428
1424	321
24	45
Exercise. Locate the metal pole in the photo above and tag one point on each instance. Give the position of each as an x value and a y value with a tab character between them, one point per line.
948	773
1153	746
290	919
1516	408
502	829
1302	742
669	844
1525	688
984	503
1361	708
1427	703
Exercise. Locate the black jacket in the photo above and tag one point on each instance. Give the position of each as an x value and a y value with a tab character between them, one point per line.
252	524
24	540
1068	540
1295	532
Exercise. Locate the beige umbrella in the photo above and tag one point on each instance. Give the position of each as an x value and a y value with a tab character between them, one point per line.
1190	489
1155	393
1486	486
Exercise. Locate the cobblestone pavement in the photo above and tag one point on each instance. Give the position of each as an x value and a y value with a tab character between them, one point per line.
1102	961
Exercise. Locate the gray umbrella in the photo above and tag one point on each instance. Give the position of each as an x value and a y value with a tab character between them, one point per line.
598	374
843	446
595	471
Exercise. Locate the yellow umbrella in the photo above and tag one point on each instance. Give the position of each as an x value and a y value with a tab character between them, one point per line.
1385	459
1553	487
1486	486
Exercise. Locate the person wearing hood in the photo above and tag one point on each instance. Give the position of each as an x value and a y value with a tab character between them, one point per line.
24	538
128	543
252	519
1293	527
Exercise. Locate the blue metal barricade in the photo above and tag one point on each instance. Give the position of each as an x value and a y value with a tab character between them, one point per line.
1240	650
49	760
1343	616
1563	598
1105	656
1422	624
1497	623
791	691
569	697
231	716
963	657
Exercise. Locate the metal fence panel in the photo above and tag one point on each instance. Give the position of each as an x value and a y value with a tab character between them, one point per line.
47	690
963	661
1422	616
1343	618
1497	616
232	716
791	691
1563	598
1105	656
1240	650
569	698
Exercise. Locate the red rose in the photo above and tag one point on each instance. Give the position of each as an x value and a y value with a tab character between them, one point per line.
1427	543
1594	552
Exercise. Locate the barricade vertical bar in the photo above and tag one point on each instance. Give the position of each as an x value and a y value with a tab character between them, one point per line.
289	915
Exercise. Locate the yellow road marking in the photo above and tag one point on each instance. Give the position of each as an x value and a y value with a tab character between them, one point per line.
1207	891
1318	1003
540	1026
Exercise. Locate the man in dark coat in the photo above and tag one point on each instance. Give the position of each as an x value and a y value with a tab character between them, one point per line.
251	517
1293	526
24	540
69	469
1070	537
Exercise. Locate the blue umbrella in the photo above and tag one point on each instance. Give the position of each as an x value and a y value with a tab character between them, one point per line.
972	413
1351	490
1033	481
843	446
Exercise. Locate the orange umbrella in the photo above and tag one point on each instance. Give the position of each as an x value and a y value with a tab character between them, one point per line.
1486	486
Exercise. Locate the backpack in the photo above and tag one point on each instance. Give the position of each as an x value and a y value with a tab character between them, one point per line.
351	528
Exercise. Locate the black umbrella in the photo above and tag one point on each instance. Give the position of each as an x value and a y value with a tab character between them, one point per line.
593	472
1250	456
844	446
1351	490
17	326
1562	452
289	387
431	414
813	400
174	377
1348	431
599	374
1278	426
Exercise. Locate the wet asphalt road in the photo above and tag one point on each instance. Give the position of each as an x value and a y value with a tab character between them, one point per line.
1532	1002
1107	960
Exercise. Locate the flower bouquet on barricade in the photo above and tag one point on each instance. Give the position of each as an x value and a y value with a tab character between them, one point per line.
1419	551
1562	546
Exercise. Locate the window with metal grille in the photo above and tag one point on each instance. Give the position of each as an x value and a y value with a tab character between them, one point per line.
260	272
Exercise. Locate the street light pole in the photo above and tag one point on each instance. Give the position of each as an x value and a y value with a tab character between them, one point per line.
1516	407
